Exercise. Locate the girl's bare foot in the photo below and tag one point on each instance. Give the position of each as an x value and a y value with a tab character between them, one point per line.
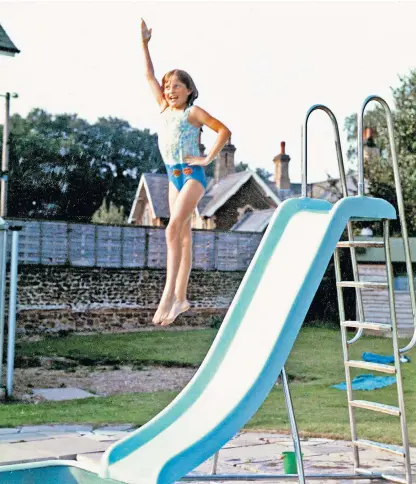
178	308
163	310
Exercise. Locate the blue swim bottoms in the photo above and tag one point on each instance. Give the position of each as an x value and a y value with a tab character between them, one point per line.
182	172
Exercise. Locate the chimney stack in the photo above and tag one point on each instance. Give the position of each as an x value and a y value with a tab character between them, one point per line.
281	169
224	164
371	152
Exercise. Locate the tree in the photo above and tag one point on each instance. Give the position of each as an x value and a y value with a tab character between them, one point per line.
241	166
109	213
264	174
379	175
62	167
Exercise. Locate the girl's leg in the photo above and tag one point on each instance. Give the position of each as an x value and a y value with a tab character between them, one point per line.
184	206
166	302
181	304
186	263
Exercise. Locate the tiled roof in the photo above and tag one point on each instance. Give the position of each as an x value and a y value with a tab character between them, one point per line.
256	221
6	45
218	191
158	185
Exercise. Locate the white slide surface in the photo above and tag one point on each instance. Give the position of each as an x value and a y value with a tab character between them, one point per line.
250	348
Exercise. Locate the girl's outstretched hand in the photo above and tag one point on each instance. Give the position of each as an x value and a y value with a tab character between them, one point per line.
197	160
146	33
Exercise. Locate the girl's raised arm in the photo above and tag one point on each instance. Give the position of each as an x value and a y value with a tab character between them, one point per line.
150	73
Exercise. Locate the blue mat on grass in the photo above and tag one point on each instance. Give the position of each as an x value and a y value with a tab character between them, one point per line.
368	382
375	358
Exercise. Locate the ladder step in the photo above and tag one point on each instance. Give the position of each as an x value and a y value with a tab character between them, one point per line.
367	325
393	449
359	243
363	285
366	365
377	407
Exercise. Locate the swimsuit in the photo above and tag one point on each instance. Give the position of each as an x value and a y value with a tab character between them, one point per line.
177	139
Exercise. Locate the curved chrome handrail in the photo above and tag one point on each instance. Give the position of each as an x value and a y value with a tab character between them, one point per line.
304	156
304	160
399	194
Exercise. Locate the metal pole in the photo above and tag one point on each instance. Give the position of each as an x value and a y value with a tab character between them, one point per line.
396	350
5	158
293	426
12	311
214	463
345	350
304	166
360	154
344	190
400	202
3	264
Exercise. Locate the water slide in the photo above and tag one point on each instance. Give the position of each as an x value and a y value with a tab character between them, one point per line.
245	359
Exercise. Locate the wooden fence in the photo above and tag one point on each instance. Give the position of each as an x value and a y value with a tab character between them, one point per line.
88	245
376	303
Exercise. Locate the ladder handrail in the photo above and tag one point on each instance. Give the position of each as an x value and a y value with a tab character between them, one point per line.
341	168
304	153
399	194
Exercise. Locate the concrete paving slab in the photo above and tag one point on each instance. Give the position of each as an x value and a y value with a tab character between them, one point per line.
248	454
56	428
18	453
74	428
10	438
7	431
222	468
90	458
68	448
327	449
62	435
108	436
114	428
61	394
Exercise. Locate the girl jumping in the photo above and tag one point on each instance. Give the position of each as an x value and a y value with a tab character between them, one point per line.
178	141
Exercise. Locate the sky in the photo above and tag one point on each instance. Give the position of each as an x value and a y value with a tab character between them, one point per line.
258	66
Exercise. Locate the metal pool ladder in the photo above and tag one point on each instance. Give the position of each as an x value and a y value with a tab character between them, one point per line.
361	325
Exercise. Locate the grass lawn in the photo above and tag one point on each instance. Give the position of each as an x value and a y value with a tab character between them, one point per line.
168	348
313	366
